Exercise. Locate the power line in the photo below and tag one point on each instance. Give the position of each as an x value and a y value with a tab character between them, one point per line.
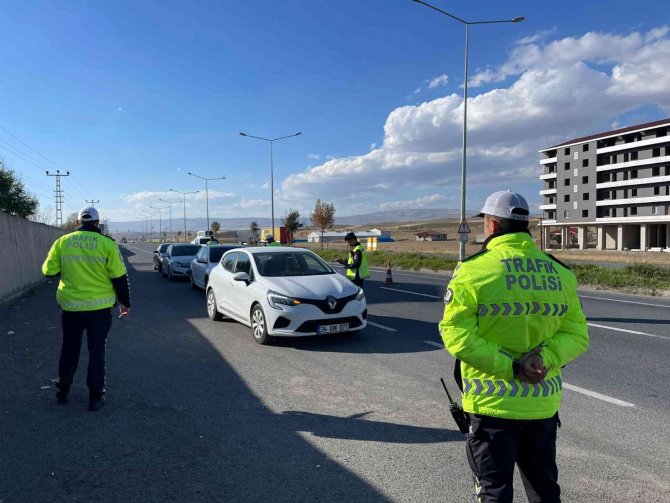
28	146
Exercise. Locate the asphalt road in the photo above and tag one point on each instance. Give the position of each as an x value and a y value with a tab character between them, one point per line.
197	411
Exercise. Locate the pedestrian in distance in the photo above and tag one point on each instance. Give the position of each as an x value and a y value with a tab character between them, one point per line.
356	264
93	278
512	320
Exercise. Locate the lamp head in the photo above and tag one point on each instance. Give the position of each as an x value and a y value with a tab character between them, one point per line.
518	19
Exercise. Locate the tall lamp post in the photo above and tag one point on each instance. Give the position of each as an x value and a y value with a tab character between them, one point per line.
272	189
207	191
170	203
160	220
184	196
461	254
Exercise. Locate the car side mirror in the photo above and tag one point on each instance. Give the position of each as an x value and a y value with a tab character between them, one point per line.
241	276
202	260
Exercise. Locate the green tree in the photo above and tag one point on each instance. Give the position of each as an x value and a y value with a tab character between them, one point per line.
323	217
253	227
291	221
14	199
216	226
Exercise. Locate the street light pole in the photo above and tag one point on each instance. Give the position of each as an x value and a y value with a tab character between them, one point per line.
207	191
461	254
160	221
184	196
170	203
272	189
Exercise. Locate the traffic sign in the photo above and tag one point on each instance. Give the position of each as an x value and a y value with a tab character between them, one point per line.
464	228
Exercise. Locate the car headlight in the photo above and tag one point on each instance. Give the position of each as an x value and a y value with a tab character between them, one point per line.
277	300
360	295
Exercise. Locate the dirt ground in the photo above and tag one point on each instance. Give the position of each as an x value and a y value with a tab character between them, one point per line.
405	241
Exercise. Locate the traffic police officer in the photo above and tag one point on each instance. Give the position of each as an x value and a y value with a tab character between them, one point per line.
357	263
92	278
512	320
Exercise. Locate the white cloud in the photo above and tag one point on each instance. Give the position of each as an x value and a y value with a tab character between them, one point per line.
213	194
557	90
441	80
313	156
419	202
252	203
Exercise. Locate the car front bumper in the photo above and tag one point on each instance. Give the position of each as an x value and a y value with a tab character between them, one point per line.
305	319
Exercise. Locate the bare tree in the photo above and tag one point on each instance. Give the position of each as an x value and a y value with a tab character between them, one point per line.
216	226
46	215
70	223
291	221
323	217
253	227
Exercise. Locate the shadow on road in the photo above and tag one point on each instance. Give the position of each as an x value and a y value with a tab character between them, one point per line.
180	423
641	321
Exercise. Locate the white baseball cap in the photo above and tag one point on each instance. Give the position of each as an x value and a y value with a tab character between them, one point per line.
89	214
506	204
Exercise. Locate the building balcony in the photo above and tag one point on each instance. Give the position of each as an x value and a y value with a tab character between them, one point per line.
633	200
548	176
634	164
634	219
634	144
546	221
547	206
548	160
547	192
633	181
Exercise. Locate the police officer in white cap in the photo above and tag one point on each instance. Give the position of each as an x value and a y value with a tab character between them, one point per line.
93	279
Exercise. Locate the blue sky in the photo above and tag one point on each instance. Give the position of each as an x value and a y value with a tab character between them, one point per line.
130	96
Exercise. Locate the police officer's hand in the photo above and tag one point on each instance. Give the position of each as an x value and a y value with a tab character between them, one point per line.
532	369
340	261
123	311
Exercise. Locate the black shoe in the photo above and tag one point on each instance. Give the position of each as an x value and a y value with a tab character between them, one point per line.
95	404
62	395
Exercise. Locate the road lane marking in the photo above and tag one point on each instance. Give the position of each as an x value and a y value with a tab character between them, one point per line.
140	249
628	331
433	343
599	396
412	293
625	301
383	327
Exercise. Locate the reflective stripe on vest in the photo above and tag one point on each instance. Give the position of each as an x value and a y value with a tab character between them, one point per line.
512	388
76	305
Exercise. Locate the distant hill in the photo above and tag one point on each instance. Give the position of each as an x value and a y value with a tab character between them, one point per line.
372	219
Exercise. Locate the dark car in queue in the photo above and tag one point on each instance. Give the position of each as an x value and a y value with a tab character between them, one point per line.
177	260
159	254
204	262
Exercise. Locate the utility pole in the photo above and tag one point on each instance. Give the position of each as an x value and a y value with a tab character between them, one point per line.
170	203
58	195
92	202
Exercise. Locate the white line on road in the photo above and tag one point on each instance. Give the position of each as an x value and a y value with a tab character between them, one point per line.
628	331
383	327
407	291
433	343
625	301
599	396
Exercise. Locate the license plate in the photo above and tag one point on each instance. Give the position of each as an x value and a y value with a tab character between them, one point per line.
332	329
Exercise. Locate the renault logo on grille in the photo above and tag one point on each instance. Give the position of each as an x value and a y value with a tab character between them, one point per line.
332	302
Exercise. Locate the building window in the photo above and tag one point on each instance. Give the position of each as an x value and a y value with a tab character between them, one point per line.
585	196
667	171
633	193
655	171
656	152
585	213
566	166
633	156
667	150
661	132
585	179
657	190
585	148
625	157
654	210
633	174
585	163
567	151
575	188
566	198
566	213
566	182
633	210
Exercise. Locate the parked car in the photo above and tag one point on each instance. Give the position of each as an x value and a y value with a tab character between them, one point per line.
159	254
204	262
280	291
177	260
124	240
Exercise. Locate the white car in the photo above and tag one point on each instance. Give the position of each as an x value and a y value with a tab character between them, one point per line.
282	291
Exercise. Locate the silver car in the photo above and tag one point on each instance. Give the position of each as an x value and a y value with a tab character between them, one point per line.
177	260
204	262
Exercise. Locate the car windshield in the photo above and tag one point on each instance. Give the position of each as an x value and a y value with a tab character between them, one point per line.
290	264
163	248
216	252
184	251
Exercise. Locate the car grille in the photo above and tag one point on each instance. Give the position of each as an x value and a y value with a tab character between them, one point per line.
323	304
310	326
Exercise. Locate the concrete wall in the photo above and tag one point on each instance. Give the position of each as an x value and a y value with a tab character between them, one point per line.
23	247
